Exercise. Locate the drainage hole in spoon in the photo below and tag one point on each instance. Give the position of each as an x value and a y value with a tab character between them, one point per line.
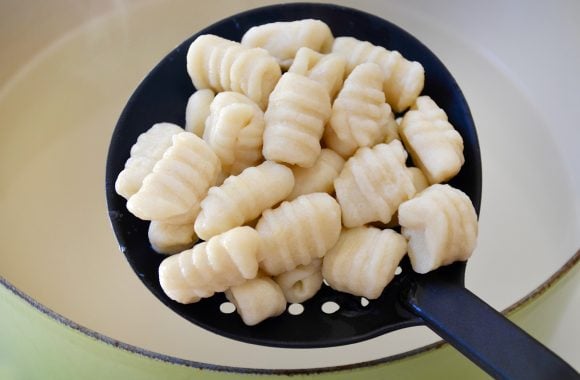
227	307
330	307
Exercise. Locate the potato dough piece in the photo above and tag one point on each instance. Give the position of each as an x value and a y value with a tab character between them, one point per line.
373	183
364	261
257	299
298	232
234	130
223	65
302	282
319	178
197	110
225	260
403	79
297	111
148	149
187	217
283	39
441	226
326	69
179	180
360	117
169	238
419	180
435	146
243	198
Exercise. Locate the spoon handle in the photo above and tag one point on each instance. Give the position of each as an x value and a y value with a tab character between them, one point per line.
484	335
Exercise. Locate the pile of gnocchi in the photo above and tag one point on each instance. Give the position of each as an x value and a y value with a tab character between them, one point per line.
292	169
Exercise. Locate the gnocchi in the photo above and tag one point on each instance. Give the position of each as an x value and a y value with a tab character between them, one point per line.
167	238
360	117
302	282
225	260
373	183
364	261
243	198
435	146
145	153
257	299
326	69
197	111
320	177
234	130
297	111
223	65
283	39
298	232
441	226
403	79
179	180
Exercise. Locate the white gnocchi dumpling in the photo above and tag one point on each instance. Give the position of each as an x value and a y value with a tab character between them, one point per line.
257	299
403	79
360	117
226	260
169	239
197	110
234	130
364	261
145	153
297	232
302	282
419	179
318	178
297	111
178	181
440	224
373	183
187	217
283	39
435	146
243	198
223	65
326	69
420	182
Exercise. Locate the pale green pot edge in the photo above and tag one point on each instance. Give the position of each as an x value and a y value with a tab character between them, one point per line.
36	343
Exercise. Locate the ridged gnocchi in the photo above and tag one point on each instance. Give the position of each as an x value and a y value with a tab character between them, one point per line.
168	239
242	198
283	39
318	178
441	226
257	299
420	182
302	282
403	79
326	69
360	117
234	130
145	153
297	111
298	232
364	261
223	65
373	183
435	146
197	110
418	178
226	260
178	181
